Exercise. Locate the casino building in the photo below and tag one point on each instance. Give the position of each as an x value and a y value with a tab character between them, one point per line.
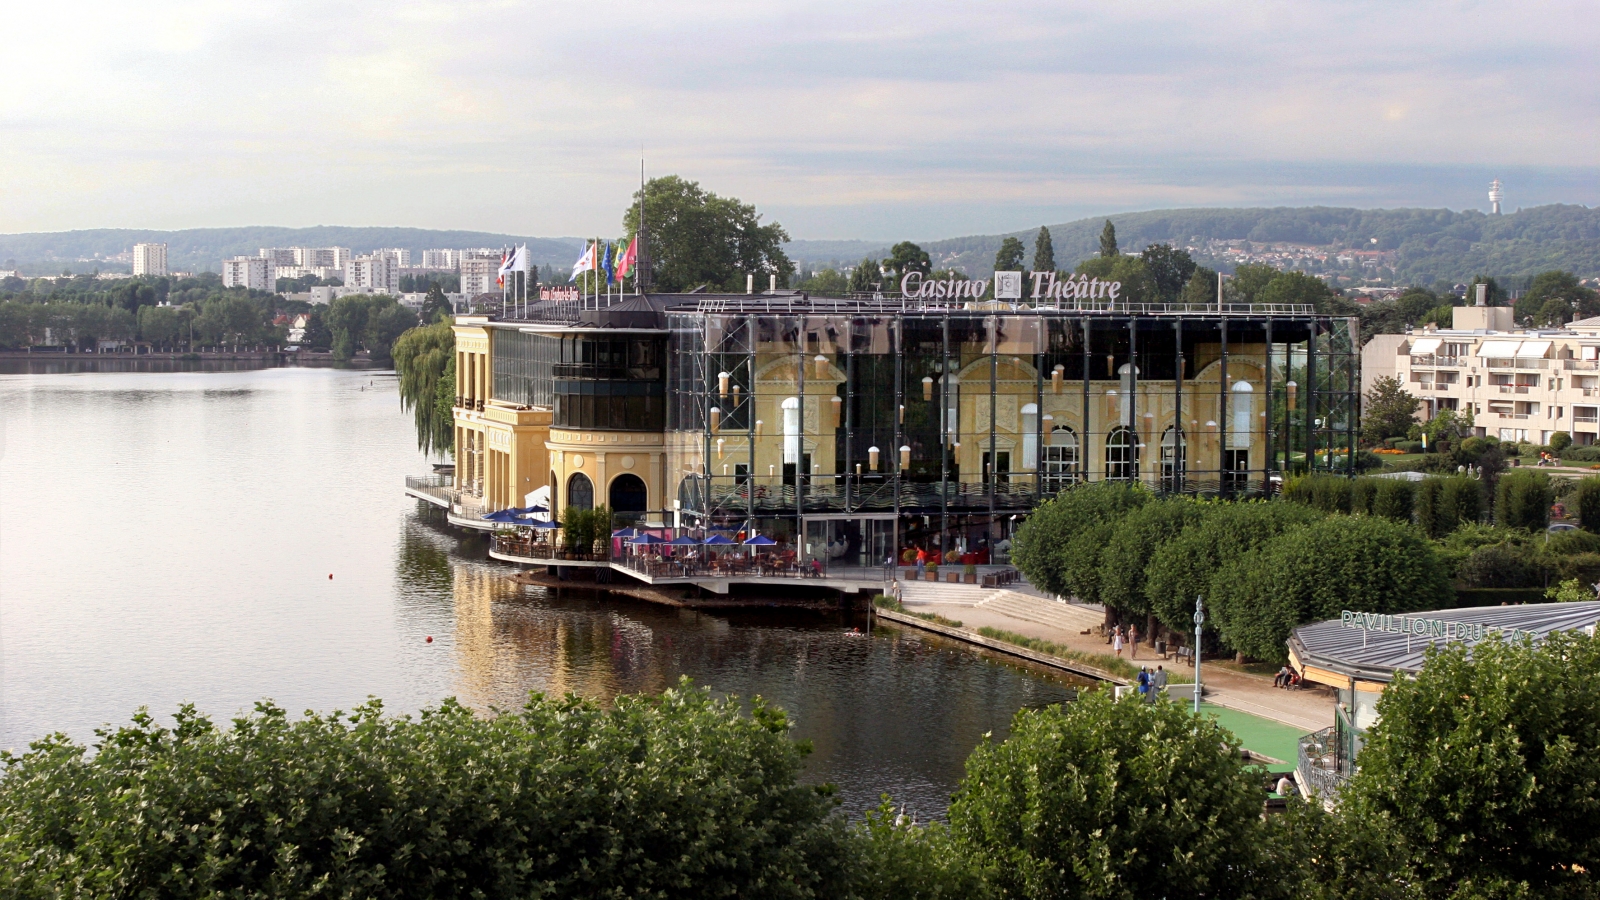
866	423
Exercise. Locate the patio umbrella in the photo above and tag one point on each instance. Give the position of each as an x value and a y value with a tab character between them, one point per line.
505	516
719	540
760	540
644	538
625	533
685	541
536	523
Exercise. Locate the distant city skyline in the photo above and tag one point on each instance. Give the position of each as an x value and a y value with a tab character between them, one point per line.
839	120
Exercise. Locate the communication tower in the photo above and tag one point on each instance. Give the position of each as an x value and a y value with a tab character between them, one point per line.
1495	196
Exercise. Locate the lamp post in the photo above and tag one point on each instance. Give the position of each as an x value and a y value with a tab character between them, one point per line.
1199	624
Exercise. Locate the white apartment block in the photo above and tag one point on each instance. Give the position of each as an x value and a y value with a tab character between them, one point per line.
478	274
1520	385
441	259
280	256
401	257
377	271
150	259
251	272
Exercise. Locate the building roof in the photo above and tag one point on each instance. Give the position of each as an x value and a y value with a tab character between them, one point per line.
1390	644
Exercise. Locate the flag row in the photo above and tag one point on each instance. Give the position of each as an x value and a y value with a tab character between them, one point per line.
614	260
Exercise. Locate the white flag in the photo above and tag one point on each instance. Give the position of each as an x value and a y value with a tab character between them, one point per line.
586	262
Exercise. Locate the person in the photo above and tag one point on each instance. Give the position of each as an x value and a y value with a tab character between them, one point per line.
922	562
1133	641
1282	678
816	567
1285	786
1144	684
1158	681
1116	640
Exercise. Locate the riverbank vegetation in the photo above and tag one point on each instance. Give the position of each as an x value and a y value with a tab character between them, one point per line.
1473	785
1331	543
425	361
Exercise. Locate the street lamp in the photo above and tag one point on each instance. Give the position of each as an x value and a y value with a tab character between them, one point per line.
1199	623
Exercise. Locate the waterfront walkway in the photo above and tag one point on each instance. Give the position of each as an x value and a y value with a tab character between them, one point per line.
1022	610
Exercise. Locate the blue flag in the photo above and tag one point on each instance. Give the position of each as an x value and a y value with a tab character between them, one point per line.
610	266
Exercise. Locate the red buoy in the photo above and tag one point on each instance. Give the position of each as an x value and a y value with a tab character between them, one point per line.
430	638
330	576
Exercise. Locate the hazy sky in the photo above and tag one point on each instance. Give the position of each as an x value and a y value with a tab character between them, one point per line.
859	119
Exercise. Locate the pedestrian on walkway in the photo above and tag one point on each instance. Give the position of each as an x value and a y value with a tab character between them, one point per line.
1282	678
922	562
1116	640
1133	641
1144	684
1158	681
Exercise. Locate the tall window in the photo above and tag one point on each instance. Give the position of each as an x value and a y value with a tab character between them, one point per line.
1122	455
1172	459
1061	459
580	491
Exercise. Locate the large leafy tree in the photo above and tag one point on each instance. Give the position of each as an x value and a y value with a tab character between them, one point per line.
1311	573
1113	799
1044	252
1128	270
1390	410
1308	290
1481	771
1553	292
1010	255
907	257
1248	281
1059	545
1169	270
674	796
1135	540
698	237
422	356
866	276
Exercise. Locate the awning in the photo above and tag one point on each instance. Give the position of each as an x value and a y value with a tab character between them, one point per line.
1498	349
1533	350
1425	346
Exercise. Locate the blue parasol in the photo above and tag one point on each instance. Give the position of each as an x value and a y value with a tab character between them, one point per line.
719	540
625	533
685	541
760	540
648	539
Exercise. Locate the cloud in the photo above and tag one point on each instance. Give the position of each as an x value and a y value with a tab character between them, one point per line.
936	119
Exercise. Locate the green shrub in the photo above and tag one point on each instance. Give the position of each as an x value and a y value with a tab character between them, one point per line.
1560	441
1393	499
1409	446
1460	503
1481	771
1058	546
1587	504
1109	799
1309	574
1362	490
1522	499
1135	541
1589	454
562	798
1329	493
1498	566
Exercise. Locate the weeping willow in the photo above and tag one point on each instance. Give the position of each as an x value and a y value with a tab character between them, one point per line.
425	358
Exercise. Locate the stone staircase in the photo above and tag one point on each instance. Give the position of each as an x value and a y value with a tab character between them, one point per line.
1068	618
916	592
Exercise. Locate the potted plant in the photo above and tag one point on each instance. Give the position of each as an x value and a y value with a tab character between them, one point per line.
909	557
933	571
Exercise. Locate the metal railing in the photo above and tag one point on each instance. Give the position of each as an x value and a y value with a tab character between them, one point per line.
739	563
1319	766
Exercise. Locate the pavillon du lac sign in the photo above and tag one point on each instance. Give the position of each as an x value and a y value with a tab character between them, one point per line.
1008	286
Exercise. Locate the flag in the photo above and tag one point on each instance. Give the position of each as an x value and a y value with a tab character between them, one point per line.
627	259
608	263
505	266
586	263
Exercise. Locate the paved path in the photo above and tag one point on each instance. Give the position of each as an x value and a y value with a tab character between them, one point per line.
1027	613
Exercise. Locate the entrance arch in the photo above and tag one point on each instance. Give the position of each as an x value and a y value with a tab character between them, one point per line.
628	494
580	491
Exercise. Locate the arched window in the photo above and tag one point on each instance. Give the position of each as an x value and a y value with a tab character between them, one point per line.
580	491
1061	459
1172	459
1122	455
628	494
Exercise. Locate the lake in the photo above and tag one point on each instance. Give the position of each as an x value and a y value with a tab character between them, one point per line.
168	536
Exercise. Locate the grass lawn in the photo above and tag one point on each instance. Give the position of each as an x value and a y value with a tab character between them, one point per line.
1264	736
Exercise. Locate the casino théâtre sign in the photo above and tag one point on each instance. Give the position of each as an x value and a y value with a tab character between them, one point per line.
1008	286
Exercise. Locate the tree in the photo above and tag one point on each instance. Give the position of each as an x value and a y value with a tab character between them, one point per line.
697	237
1588	504
1111	799
1009	257
676	795
1108	240
384	327
907	257
1044	252
1135	540
866	276
1129	271
1522	499
1480	769
1553	314
1300	288
1539	303
1494	297
436	304
1391	411
1201	288
827	282
1310	574
318	336
1183	568
1169	270
421	357
367	321
1058	546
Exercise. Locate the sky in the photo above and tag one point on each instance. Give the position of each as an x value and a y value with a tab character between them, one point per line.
858	119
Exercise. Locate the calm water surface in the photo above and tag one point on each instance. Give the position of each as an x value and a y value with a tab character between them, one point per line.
168	536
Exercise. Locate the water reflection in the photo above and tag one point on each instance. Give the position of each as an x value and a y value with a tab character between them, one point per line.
894	711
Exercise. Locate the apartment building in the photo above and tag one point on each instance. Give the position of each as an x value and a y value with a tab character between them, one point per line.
253	272
1521	385
400	255
440	259
479	269
377	271
150	259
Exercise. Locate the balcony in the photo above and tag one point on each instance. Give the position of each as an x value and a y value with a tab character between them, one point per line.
1320	767
1580	365
1586	419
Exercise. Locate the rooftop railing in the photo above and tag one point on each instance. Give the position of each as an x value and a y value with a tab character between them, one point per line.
1319	764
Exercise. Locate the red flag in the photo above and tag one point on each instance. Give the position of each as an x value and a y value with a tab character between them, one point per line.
628	258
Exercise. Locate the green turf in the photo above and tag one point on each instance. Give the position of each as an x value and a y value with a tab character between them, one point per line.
1263	736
